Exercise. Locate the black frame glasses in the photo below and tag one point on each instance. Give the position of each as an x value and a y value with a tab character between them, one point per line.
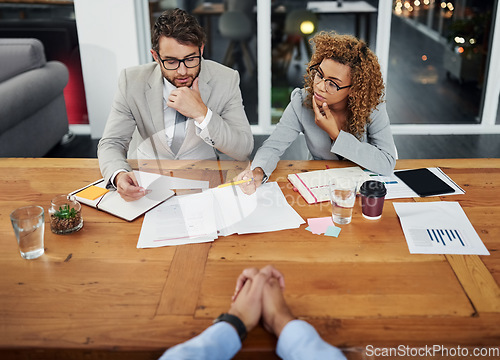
179	62
318	73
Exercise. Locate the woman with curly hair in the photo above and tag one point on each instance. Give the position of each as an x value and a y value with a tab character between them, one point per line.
340	111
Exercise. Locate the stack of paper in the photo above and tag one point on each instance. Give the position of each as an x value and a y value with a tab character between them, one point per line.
219	211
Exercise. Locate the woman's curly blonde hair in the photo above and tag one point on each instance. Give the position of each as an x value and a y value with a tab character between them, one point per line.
367	88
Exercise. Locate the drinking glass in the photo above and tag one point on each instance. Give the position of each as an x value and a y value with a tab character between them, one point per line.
342	197
29	226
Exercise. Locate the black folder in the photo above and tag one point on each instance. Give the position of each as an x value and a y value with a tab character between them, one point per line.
424	182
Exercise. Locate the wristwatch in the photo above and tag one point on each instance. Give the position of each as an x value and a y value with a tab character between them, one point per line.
235	322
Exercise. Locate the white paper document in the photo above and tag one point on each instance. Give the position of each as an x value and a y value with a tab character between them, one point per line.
397	189
439	227
180	183
222	211
263	211
181	220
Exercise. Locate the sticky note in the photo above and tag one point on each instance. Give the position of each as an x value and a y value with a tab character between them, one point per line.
308	228
332	231
92	192
319	225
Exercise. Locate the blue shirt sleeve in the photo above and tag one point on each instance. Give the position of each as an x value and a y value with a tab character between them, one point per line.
299	340
219	341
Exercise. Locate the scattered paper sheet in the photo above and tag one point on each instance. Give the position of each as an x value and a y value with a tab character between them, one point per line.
263	211
439	227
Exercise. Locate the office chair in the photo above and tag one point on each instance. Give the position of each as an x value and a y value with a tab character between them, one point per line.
237	27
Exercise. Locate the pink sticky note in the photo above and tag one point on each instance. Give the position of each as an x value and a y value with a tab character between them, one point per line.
319	225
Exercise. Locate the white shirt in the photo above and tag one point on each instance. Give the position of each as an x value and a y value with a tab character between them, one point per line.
169	113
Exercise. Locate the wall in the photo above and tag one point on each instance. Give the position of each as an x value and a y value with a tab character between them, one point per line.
113	35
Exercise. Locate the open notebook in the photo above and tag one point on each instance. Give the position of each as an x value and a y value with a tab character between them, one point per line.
313	185
97	196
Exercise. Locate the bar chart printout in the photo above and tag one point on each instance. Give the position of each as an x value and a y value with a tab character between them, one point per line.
436	237
439	227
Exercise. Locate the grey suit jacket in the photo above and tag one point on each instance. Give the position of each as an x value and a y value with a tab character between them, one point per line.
376	150
136	127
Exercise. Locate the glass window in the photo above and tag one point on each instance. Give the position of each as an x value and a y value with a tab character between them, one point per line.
437	61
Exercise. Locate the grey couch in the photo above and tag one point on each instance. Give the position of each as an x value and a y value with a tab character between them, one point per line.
33	115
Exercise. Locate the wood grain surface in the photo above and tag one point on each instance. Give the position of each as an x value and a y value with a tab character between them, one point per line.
93	294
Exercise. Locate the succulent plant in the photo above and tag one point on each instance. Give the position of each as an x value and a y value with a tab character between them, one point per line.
65	212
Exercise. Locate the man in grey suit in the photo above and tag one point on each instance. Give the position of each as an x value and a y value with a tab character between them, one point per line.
179	107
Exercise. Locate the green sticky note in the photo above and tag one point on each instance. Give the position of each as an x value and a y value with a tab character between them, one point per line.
332	231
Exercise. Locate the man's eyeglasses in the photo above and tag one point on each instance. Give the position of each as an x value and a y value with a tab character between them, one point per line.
173	63
330	86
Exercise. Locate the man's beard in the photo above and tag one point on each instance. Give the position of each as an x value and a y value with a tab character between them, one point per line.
188	84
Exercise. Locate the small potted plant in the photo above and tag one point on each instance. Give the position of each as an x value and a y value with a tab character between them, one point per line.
65	215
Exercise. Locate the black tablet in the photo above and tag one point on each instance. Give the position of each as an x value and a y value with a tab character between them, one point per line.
424	182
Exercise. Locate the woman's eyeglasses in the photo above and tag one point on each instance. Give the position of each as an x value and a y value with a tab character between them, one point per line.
330	86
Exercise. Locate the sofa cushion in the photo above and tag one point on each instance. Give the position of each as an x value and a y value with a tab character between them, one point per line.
20	55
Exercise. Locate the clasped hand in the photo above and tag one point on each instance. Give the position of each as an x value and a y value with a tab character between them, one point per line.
259	295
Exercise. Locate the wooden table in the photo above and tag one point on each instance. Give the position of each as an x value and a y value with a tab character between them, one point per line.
93	294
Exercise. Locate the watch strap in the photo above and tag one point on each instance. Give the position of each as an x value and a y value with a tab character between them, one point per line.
235	322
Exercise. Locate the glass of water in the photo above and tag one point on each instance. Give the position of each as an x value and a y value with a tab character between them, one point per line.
29	226
342	197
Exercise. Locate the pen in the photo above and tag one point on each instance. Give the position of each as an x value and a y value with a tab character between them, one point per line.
235	183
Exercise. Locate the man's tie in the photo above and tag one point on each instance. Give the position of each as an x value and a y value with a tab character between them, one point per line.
179	132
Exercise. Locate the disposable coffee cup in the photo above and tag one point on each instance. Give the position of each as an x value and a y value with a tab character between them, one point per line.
372	199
